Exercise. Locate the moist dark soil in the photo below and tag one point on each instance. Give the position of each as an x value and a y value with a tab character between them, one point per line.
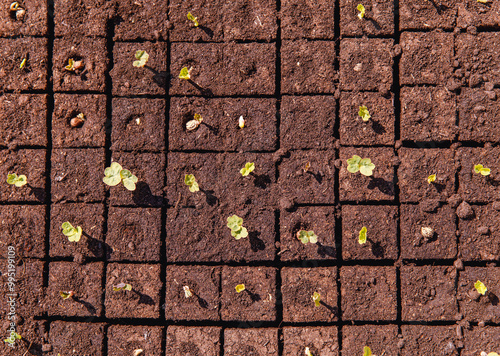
378	19
251	342
185	340
379	338
307	19
426	339
318	339
140	20
78	338
34	22
81	18
477	109
125	339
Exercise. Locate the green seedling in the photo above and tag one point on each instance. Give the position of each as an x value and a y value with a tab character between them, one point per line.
23	63
364	166
240	288
235	223
480	287
141	59
195	123
316	297
249	167
13	337
116	174
191	182
478	168
367	351
192	18
18	181
73	234
362	236
308	352
307	237
361	10
74	65
364	113
187	292
431	178
122	286
184	74
66	295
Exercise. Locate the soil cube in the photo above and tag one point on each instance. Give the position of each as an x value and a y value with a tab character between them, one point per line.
379	338
321	341
481	339
34	22
425	15
82	18
249	20
478	14
303	19
77	338
35	331
378	18
194	340
251	342
477	113
141	20
427	339
125	339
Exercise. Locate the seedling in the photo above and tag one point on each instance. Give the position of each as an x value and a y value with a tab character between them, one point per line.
362	236
308	352
13	337
240	288
235	223
193	124
241	122
138	352
491	353
66	295
431	178
115	174
77	121
364	113
361	10
307	167
478	168
192	18
122	286
73	234
190	181
18	181
74	65
249	167
184	74
187	292
480	287
23	63
316	297
307	237
18	11
427	232
141	59
484	2
364	166
367	351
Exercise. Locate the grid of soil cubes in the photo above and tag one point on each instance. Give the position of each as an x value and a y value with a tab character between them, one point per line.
297	72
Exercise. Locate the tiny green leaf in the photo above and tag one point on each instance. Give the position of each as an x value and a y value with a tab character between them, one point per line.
184	74
249	167
361	10
70	65
364	166
367	351
362	235
316	297
364	113
187	292
307	237
122	286
112	174
478	168
73	234
23	63
192	18
240	288
190	181
237	230
129	179
240	233
480	287
142	58
66	295
13	337
16	180
431	178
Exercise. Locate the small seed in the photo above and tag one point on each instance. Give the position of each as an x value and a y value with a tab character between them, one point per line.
77	121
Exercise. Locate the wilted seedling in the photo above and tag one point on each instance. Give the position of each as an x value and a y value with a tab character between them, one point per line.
249	167
367	351
362	235
431	178
235	223
184	74
141	59
308	352
241	122
73	234
74	65
307	237
480	287
18	181
115	174
361	10
364	113
122	286
364	166
316	297
192	18
17	10
478	168
191	182
193	124
13	337
66	295
77	121
240	288
187	292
